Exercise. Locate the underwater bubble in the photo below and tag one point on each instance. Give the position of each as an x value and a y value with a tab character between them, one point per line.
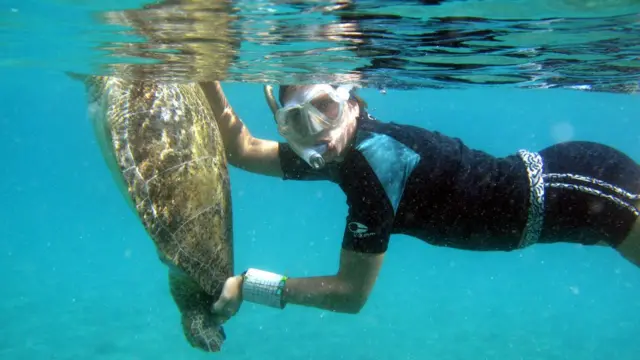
563	131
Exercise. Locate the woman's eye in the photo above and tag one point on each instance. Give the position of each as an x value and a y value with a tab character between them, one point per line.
323	105
326	106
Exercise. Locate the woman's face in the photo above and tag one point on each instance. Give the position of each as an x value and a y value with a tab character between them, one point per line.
336	139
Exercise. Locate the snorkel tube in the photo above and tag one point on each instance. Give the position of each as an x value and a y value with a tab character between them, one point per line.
313	155
271	100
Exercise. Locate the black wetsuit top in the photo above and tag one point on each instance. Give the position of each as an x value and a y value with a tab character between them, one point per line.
401	179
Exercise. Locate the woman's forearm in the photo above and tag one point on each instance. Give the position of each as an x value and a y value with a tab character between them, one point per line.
242	149
231	127
215	96
323	292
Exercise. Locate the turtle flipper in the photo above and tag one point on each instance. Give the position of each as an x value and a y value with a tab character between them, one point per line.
194	305
201	332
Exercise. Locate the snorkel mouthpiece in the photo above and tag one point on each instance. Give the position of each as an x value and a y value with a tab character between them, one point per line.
313	156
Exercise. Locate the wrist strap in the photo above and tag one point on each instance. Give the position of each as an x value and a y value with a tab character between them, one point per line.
263	287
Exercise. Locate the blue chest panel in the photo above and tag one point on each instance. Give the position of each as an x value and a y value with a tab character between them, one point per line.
392	162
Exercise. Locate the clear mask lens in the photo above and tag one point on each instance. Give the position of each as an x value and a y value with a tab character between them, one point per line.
311	113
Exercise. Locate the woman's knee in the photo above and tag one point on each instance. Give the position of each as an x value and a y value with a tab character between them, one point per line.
630	246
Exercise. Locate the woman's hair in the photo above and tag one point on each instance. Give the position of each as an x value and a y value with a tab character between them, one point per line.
284	89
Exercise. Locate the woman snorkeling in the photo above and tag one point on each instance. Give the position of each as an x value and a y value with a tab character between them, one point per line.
401	179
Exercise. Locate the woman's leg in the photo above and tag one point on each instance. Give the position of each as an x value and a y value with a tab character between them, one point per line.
630	246
591	197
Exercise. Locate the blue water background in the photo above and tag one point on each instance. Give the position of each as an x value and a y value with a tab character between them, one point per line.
80	279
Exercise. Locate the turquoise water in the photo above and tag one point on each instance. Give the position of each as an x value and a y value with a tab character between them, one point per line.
82	280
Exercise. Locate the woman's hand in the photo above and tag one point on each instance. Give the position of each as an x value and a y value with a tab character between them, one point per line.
230	300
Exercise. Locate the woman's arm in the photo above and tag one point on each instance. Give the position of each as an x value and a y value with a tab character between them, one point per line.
243	150
345	292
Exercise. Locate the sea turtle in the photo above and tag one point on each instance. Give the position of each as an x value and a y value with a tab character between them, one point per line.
162	144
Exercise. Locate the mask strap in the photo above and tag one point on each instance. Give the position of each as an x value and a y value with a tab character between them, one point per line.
344	91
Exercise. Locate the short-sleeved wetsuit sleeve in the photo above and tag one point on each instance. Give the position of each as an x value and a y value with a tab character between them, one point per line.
294	168
368	229
371	215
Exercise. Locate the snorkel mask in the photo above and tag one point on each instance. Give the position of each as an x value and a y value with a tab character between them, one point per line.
307	116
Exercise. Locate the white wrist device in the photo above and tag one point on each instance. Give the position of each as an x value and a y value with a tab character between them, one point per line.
263	287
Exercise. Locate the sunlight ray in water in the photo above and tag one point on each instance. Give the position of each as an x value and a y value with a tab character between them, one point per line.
439	44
